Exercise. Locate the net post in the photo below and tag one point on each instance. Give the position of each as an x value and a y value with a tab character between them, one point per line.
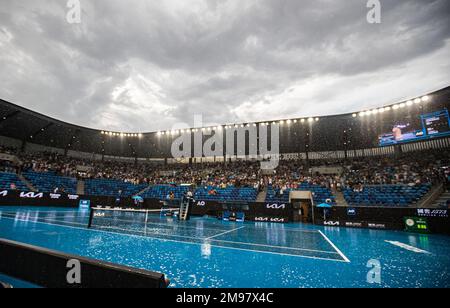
91	217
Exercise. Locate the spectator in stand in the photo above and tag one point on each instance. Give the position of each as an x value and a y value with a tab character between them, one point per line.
409	169
171	196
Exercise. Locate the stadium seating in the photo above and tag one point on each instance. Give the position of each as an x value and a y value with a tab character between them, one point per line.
48	181
7	178
386	195
107	187
226	194
320	194
161	191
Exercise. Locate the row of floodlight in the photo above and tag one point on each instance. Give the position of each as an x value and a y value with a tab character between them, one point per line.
416	101
409	103
235	126
113	134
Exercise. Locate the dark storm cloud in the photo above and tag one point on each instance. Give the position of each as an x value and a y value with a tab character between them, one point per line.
145	65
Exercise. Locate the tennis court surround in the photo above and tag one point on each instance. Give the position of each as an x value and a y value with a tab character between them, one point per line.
250	237
206	252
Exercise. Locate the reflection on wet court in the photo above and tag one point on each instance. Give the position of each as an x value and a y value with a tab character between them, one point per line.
205	252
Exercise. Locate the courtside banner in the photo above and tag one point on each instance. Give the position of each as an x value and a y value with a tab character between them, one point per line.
29	198
382	218
254	211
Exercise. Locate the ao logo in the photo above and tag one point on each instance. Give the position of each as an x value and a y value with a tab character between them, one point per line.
276	206
31	195
201	203
410	222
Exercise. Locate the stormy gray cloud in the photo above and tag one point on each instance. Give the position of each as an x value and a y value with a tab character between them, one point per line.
146	65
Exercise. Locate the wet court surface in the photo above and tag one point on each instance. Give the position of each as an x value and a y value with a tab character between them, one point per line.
206	252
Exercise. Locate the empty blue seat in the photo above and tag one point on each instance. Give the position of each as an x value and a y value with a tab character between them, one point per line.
7	178
161	191
386	195
108	187
48	181
230	193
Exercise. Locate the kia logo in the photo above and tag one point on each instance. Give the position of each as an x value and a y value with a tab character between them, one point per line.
377	226
277	219
267	219
331	223
31	195
276	206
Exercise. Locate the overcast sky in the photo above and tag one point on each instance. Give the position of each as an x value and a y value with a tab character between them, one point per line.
135	65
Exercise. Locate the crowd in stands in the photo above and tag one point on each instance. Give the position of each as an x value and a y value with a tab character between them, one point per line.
6	165
412	169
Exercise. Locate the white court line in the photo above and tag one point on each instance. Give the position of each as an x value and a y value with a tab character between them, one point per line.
281	247
223	233
156	234
63	224
40	212
173	241
408	247
130	210
161	224
154	223
334	246
294	230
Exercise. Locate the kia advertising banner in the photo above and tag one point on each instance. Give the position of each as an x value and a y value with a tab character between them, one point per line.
383	218
254	211
21	198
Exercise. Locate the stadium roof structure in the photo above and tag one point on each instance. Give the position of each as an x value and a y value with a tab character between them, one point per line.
349	131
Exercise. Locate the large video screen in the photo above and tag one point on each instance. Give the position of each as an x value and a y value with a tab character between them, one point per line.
430	125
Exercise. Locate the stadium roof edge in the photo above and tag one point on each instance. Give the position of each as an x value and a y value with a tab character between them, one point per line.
75	126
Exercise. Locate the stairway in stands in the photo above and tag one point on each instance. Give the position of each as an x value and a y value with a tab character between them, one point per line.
340	200
262	196
144	190
442	199
27	183
80	187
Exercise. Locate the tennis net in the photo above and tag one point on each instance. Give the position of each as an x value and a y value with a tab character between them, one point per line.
120	217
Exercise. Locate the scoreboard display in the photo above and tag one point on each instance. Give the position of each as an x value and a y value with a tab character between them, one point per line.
429	126
416	224
437	123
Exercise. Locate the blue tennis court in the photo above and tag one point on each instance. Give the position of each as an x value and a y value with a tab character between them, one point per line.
206	252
